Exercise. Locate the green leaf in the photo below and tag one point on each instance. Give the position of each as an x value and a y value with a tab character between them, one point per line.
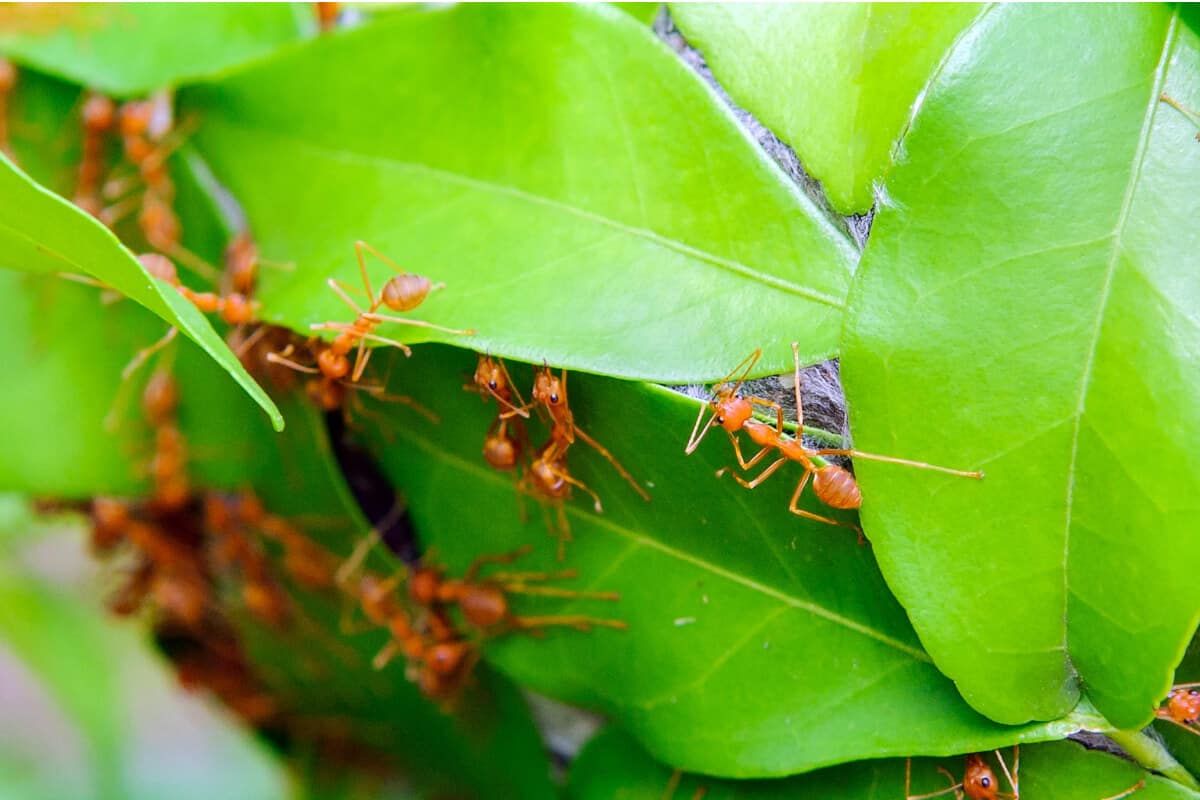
42	233
612	765
584	196
836	82
1029	292
130	49
642	12
758	643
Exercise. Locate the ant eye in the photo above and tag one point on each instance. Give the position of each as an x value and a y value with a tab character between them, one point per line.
985	782
491	384
720	420
553	398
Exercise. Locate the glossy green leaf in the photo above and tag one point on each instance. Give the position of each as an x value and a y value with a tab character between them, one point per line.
42	233
583	195
135	48
758	643
1026	307
612	765
642	12
834	81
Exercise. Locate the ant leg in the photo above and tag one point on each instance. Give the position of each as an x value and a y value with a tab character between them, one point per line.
908	795
580	485
357	556
420	323
84	279
612	460
579	623
373	337
744	368
495	558
146	352
283	360
113	214
799	399
554	591
891	460
1013	778
1137	787
762	476
672	785
520	408
360	360
800	512
737	451
193	262
341	292
758	401
378	393
384	656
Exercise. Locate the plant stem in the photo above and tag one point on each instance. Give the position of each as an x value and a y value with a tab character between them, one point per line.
1149	752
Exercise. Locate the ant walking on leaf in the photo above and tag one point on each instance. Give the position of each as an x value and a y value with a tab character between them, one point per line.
979	781
404	291
832	484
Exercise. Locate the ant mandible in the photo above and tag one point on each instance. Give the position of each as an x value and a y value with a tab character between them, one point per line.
832	484
403	291
551	393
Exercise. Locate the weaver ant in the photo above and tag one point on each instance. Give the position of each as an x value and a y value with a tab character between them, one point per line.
1182	109
501	449
979	781
484	601
99	115
551	393
234	308
8	82
832	484
1183	707
549	480
439	660
330	393
233	548
403	291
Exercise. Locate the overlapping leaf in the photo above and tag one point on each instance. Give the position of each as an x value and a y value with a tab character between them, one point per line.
136	48
758	643
582	194
612	765
1027	307
835	81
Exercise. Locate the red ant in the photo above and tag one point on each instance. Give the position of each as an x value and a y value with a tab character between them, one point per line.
1182	109
261	594
8	82
234	308
484	601
500	448
402	292
979	781
549	480
439	660
327	15
330	393
1183	707
168	465
306	561
551	393
99	115
832	484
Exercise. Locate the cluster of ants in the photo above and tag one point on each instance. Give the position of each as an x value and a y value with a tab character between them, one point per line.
178	539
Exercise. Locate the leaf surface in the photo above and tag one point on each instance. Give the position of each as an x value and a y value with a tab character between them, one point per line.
834	81
583	195
1032	292
758	643
135	48
612	765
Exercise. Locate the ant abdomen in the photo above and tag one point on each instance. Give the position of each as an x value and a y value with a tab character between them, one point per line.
406	292
484	605
836	487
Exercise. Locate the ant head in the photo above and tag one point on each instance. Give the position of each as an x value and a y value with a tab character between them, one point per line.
979	781
423	585
333	365
238	309
99	113
135	117
406	292
484	605
446	658
159	266
488	374
501	451
732	412
548	389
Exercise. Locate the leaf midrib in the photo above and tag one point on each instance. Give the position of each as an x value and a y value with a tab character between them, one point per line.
473	182
438	452
1115	251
